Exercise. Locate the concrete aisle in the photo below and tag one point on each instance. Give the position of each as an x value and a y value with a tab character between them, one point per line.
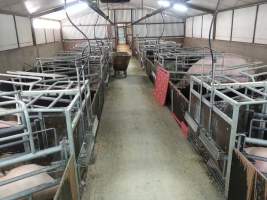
140	152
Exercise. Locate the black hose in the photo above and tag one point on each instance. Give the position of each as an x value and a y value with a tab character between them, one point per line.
73	24
210	45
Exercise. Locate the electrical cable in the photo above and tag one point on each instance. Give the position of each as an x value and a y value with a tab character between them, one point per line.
163	28
146	27
75	26
212	68
210	45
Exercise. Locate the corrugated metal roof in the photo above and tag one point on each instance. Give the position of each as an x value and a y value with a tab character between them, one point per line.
27	7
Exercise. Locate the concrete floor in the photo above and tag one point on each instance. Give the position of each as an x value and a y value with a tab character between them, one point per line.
140	152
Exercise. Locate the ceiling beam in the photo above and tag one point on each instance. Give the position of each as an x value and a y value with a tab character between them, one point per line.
62	7
12	13
46	12
200	8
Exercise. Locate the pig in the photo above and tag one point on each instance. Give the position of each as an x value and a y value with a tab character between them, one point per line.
27	183
261	152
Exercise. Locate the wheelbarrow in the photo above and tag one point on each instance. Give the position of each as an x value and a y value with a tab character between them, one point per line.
120	61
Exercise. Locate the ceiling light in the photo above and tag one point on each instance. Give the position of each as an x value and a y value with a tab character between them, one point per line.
164	3
31	6
180	7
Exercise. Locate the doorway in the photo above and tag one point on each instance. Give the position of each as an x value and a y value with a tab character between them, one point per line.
121	34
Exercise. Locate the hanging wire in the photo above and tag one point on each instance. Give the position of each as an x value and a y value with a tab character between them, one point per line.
163	27
163	30
210	45
212	68
95	37
77	28
146	28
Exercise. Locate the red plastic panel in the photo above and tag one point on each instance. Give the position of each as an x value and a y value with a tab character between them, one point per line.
161	85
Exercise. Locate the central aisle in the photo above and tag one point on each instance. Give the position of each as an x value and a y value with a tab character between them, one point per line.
140	152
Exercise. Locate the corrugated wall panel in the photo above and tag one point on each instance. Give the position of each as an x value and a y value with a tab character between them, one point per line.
89	19
70	32
8	39
156	30
261	27
206	26
197	27
223	25
243	24
40	36
49	35
189	27
123	16
24	31
57	35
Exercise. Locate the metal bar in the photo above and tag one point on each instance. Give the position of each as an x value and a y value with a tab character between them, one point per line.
29	192
255	24
231	148
30	156
30	174
16	30
12	137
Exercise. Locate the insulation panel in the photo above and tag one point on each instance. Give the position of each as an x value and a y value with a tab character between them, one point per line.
261	27
207	19
189	27
243	24
197	27
49	35
8	39
40	36
224	25
24	31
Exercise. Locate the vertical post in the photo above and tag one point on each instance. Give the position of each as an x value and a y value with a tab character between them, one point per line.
231	147
16	29
214	27
202	26
232	25
54	35
193	19
255	23
45	35
70	132
33	33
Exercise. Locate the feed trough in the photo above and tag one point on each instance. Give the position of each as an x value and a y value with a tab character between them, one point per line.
120	63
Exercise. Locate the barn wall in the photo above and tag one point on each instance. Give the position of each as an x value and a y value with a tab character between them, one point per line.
256	51
241	31
15	59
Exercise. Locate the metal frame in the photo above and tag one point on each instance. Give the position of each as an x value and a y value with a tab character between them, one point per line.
254	93
48	90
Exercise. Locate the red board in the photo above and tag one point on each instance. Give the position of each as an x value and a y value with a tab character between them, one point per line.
183	126
161	85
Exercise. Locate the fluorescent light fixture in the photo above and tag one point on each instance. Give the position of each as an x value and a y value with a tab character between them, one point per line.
180	7
76	8
45	24
164	4
31	6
